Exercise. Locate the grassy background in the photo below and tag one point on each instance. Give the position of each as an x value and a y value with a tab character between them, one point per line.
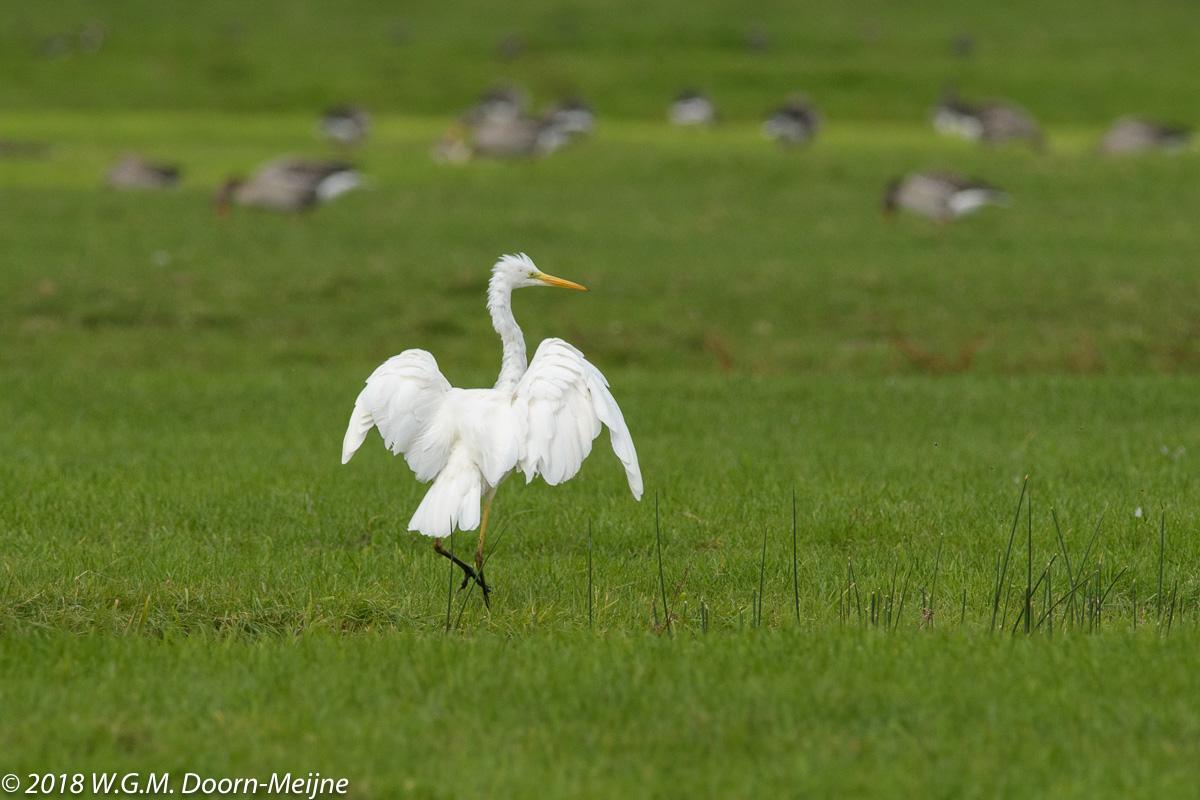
839	713
878	60
191	582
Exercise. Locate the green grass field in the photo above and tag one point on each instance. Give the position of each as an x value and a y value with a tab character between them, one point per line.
191	582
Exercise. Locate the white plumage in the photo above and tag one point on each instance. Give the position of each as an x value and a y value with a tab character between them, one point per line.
537	420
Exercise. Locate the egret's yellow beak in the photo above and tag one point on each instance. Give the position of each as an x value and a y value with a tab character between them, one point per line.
550	280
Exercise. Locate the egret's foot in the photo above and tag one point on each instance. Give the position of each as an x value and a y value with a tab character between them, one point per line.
469	573
487	590
479	568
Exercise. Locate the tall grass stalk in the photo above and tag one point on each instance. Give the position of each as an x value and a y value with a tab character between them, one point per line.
937	561
1171	614
1027	613
662	583
903	594
854	584
762	572
450	588
795	563
1066	558
1162	544
590	589
1004	569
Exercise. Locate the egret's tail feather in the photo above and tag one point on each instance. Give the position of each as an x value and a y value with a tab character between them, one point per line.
452	500
361	423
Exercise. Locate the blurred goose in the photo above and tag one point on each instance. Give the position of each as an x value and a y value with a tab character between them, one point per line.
288	184
993	123
952	116
500	103
571	116
1008	122
941	196
500	126
692	108
1136	135
522	137
510	47
453	147
91	37
11	148
345	124
134	172
962	44
758	40
792	124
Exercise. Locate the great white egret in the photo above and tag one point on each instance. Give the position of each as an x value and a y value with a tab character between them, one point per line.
540	419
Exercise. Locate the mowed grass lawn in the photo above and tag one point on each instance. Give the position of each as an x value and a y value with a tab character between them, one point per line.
191	582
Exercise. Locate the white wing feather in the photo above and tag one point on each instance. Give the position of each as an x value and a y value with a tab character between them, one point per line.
564	399
401	397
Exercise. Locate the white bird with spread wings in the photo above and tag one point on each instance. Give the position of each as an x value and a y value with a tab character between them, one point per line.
539	419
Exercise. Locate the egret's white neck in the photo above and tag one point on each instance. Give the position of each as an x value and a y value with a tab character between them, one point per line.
513	363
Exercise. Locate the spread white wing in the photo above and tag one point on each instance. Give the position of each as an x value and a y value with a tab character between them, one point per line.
401	397
564	399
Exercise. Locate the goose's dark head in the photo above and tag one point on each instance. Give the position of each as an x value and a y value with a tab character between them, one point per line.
889	196
223	197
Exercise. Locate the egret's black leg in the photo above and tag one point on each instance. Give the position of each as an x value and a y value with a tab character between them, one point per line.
469	574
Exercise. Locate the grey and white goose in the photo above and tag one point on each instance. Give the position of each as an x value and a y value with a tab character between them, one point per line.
1130	135
288	184
941	195
571	116
499	126
500	103
692	108
953	116
794	123
134	172
1005	122
995	123
523	137
348	124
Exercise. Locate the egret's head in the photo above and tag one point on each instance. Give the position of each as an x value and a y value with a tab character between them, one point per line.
516	272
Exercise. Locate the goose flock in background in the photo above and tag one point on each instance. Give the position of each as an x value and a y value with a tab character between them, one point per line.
503	125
